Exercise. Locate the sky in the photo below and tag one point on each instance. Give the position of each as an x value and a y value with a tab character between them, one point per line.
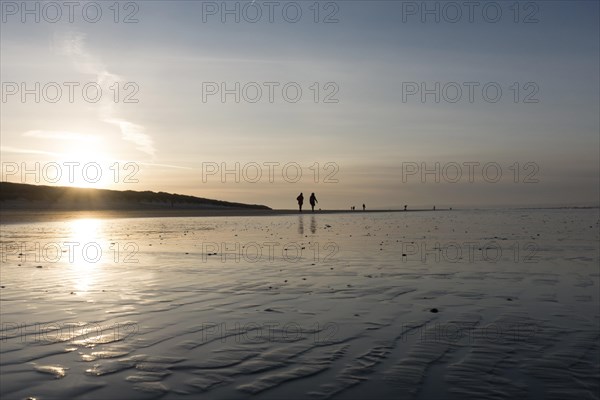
387	103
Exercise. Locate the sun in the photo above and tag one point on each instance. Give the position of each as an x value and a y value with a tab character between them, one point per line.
86	165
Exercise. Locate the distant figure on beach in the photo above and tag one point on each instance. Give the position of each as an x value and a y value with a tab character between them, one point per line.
405	207
313	200
300	199
433	208
364	207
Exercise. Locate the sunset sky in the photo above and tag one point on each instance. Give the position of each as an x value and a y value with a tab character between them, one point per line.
366	131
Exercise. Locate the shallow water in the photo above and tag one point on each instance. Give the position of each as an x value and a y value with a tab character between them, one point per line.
312	306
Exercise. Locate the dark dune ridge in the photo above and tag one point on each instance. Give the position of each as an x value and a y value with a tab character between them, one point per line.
37	197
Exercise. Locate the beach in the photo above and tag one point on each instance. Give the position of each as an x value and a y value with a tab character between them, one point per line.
300	200
21	215
458	304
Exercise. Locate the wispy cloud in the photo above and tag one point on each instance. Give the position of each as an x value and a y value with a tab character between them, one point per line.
17	150
73	46
61	135
165	166
135	134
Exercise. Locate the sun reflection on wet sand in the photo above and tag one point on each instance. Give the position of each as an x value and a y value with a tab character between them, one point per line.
85	229
86	251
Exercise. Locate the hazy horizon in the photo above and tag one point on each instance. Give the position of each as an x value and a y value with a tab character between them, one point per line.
424	206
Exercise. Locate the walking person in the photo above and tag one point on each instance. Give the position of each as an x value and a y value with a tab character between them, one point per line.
300	199
313	200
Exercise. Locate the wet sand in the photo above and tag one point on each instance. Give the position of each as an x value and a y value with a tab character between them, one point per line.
12	216
454	305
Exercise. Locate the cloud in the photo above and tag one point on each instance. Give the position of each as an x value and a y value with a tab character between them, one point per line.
61	135
17	150
165	166
72	45
135	134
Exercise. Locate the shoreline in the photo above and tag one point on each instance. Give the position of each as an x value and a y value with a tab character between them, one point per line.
17	216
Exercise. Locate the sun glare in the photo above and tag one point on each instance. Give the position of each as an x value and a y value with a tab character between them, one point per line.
85	230
87	244
86	165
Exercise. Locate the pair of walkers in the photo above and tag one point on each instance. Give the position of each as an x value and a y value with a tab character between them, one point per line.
312	200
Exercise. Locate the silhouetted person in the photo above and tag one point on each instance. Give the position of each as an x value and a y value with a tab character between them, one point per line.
405	207
313	200
364	207
300	201
433	208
